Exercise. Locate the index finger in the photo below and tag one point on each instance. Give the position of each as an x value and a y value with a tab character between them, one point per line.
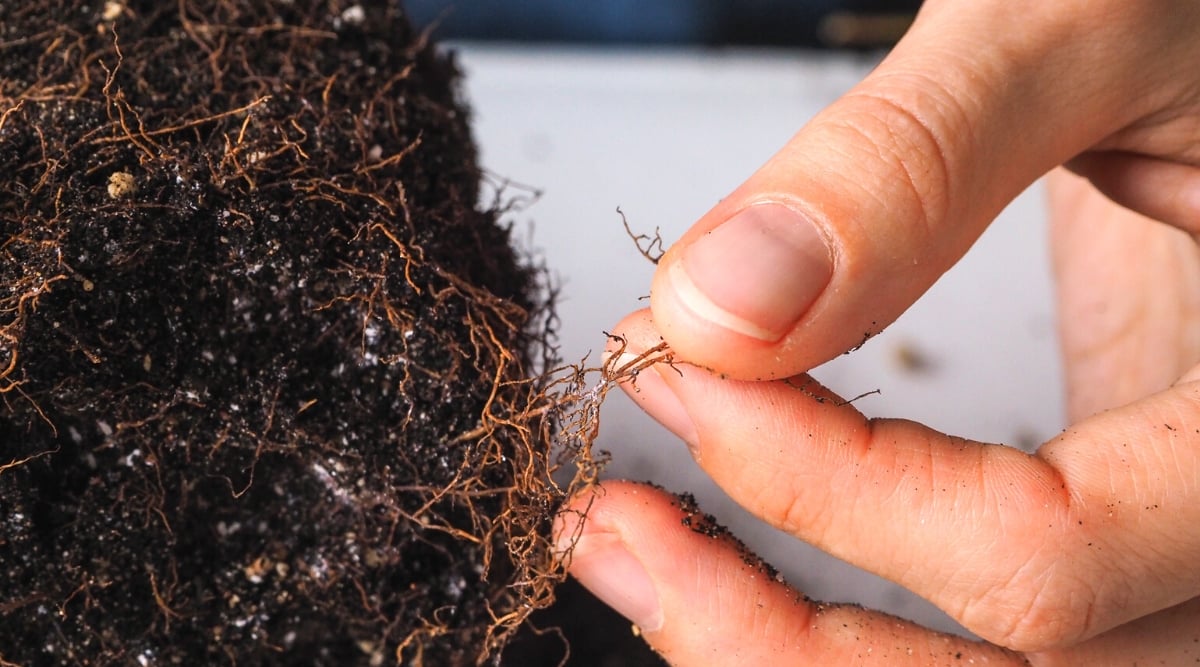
1028	551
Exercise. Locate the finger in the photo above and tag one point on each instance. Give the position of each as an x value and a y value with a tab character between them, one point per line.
881	193
699	598
1029	552
1158	189
1169	637
1128	293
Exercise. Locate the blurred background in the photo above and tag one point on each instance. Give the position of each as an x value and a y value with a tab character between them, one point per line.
780	23
661	107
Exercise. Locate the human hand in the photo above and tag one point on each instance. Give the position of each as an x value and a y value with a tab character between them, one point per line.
1084	553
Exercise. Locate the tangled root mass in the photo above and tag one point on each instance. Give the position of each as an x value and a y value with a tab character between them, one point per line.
268	383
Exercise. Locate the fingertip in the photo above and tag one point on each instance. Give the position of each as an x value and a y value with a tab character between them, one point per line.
708	335
692	591
756	273
635	333
639	374
592	536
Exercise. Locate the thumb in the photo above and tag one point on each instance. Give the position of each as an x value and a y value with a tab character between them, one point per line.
881	193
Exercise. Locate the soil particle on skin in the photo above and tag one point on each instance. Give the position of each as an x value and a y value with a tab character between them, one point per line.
706	525
262	360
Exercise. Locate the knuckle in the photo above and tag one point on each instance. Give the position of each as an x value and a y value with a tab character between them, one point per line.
912	147
1034	611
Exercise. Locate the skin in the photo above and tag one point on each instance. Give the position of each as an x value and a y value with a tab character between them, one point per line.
1084	552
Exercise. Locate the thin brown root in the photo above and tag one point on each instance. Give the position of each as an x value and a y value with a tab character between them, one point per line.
651	247
830	399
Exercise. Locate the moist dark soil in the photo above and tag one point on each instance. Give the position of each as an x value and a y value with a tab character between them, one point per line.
265	364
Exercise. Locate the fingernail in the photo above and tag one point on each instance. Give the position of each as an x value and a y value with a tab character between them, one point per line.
603	564
657	398
757	273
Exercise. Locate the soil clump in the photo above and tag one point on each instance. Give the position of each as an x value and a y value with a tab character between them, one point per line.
268	373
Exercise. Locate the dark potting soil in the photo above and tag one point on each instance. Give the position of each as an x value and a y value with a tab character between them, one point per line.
579	630
264	363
